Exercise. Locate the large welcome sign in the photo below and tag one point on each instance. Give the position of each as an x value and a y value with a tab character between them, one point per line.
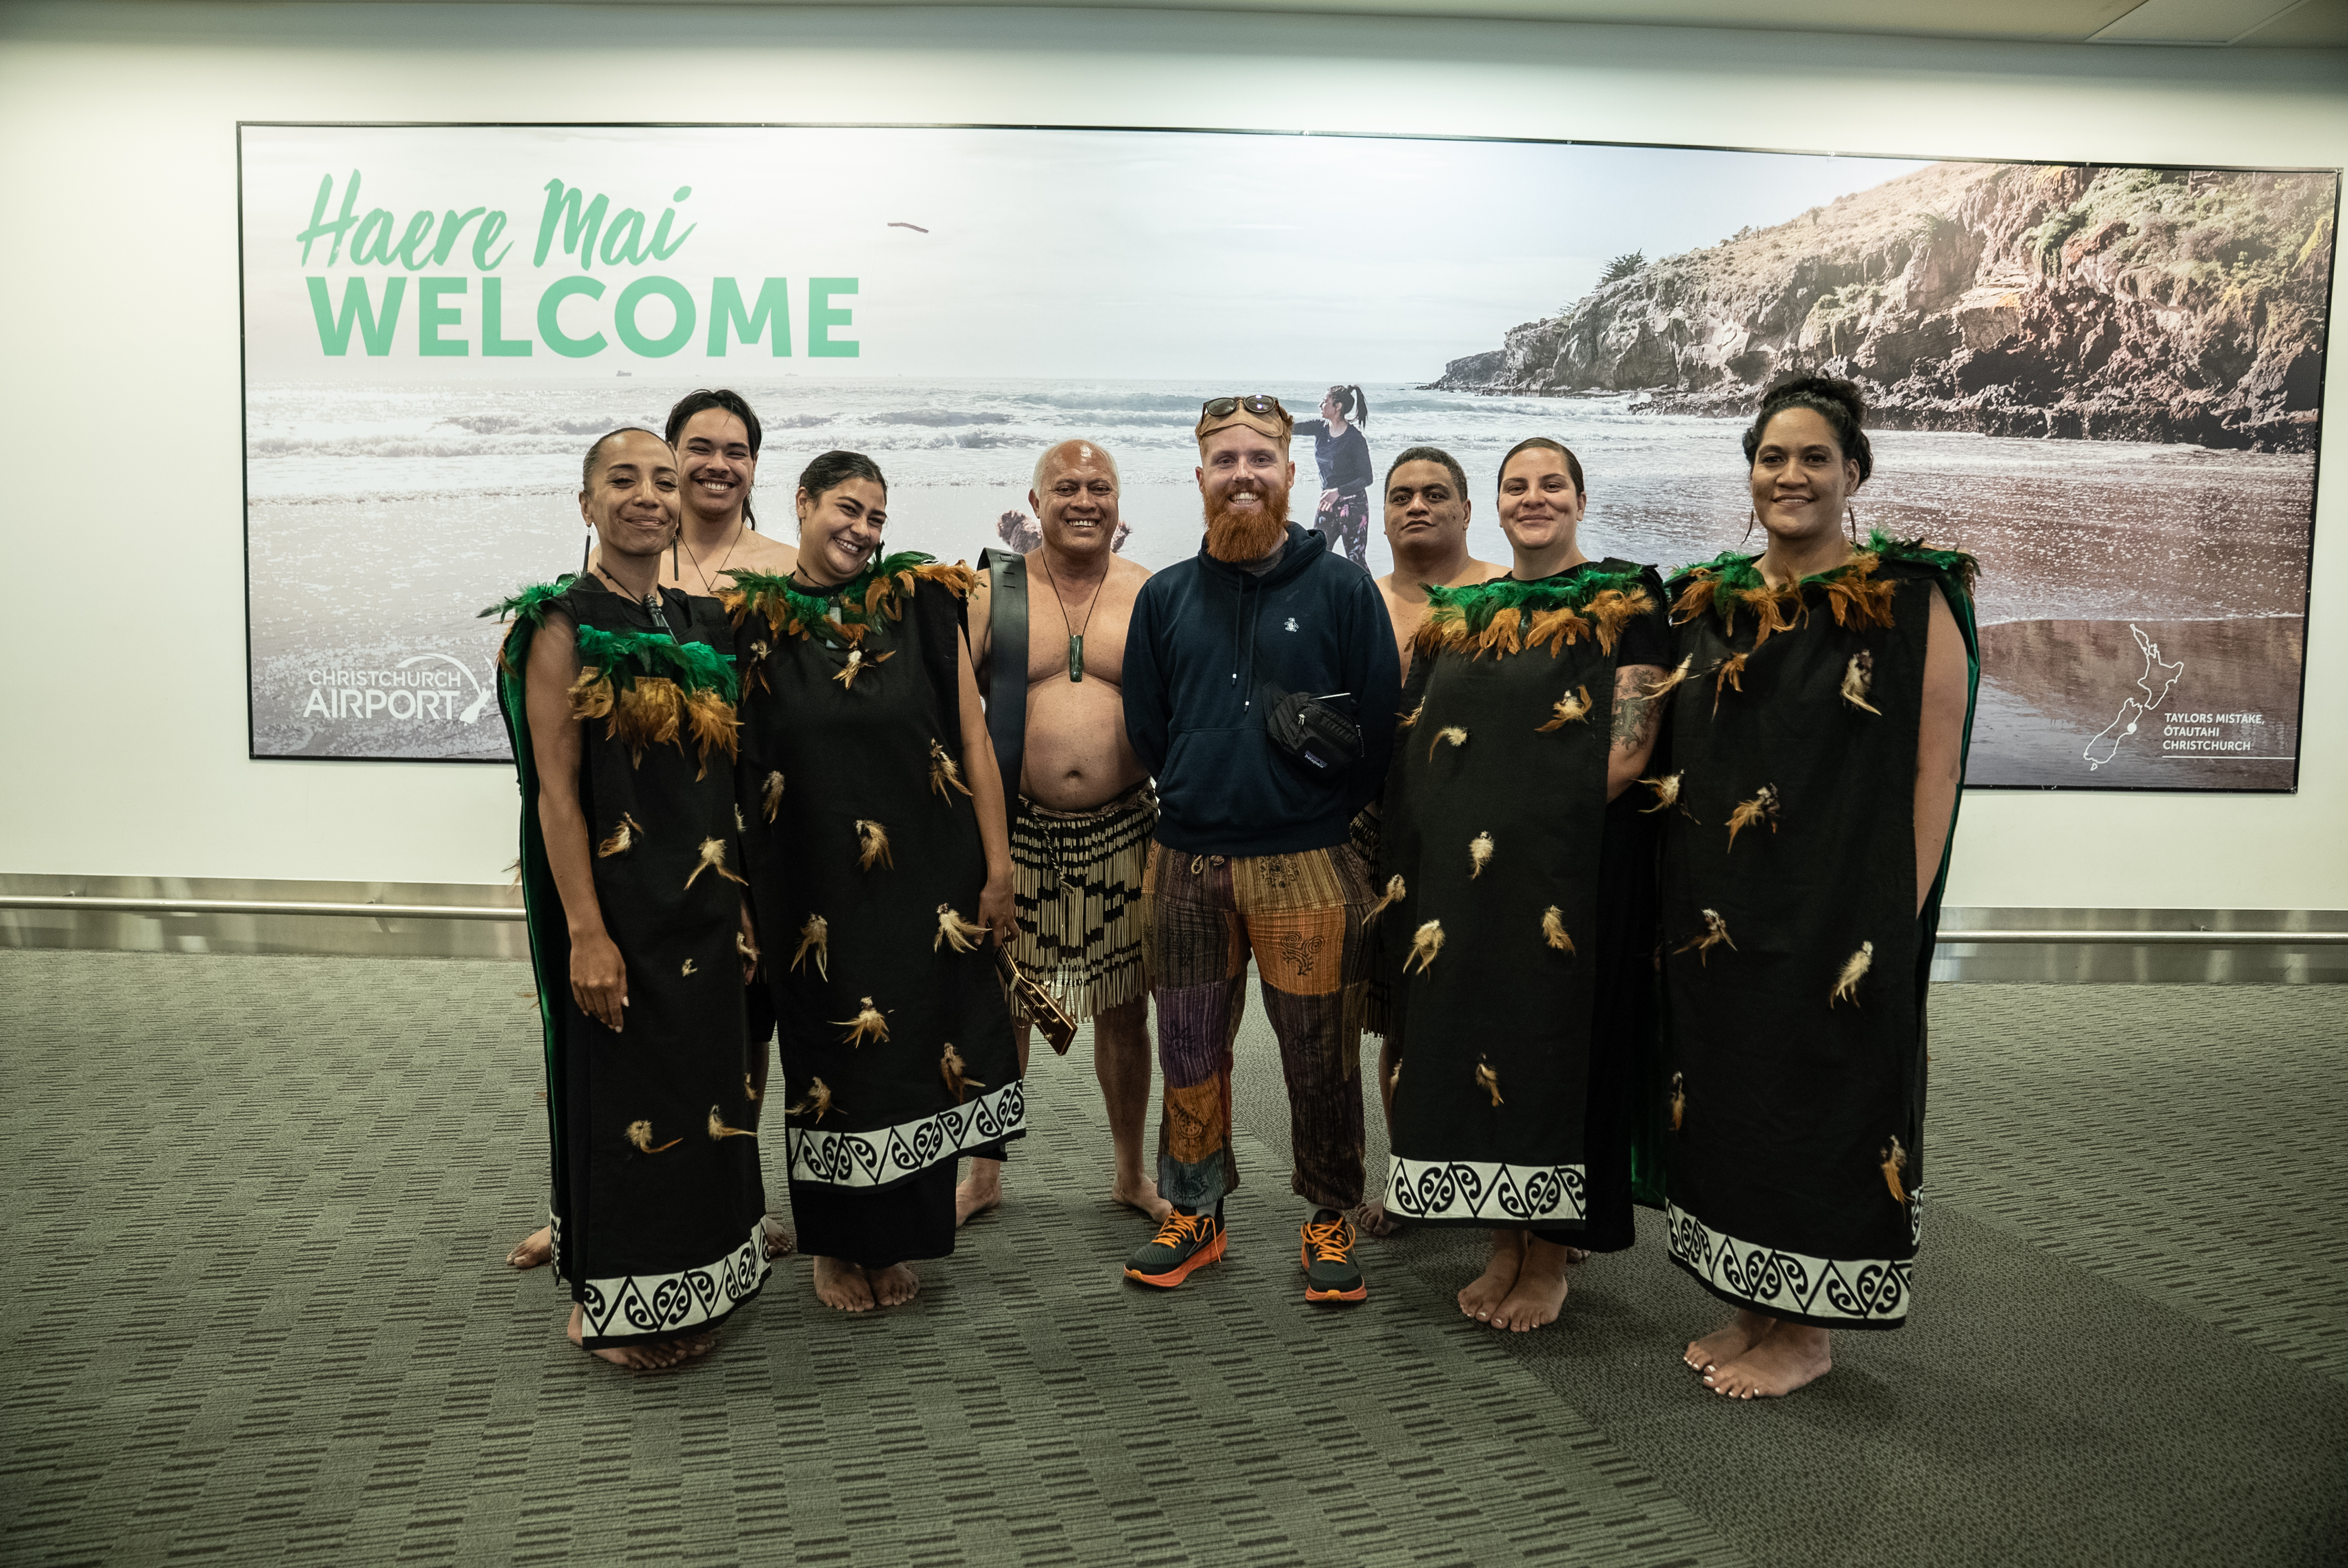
2102	381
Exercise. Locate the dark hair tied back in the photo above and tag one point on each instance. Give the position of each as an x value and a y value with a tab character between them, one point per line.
834	469
1839	402
595	453
1351	404
1572	463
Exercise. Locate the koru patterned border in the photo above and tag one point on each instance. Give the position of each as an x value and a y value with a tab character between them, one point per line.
631	1305
1779	1283
1476	1190
886	1154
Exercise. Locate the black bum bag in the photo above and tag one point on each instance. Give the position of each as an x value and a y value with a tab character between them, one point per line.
1318	734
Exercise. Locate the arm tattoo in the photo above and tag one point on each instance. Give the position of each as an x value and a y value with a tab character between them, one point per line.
1635	713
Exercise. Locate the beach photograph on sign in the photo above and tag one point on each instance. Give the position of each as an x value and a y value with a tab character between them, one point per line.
2104	382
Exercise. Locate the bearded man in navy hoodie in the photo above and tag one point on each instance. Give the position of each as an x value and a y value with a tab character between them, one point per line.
1252	854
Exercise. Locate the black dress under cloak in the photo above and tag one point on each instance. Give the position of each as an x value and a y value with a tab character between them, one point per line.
872	1126
1796	962
658	1196
1511	1102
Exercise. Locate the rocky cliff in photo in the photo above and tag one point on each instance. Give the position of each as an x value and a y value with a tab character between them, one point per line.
2133	304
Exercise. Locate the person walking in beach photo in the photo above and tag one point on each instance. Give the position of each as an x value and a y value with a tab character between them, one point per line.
1048	633
1427	512
1259	687
1342	455
618	698
1817	748
880	868
1519	907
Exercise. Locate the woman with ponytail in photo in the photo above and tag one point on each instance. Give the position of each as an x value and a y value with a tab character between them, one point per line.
1343	456
1807	790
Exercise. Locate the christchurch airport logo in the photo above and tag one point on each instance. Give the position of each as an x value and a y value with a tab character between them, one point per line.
422	686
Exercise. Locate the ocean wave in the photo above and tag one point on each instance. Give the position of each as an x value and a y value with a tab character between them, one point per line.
411	446
932	418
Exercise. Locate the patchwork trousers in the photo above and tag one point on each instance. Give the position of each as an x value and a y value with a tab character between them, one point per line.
1300	917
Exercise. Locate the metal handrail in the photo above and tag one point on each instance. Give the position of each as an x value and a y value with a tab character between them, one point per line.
514	912
260	907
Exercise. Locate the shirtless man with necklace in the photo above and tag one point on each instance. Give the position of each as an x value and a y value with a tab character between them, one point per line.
1081	813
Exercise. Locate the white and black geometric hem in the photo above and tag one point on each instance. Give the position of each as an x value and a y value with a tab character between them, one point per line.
1828	1292
1487	1191
632	1305
886	1154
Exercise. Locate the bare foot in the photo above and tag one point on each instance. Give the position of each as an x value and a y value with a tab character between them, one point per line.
1791	1355
1725	1344
1372	1219
1539	1291
979	1192
1139	1193
700	1345
535	1250
893	1285
1491	1287
1576	1255
777	1237
636	1358
841	1285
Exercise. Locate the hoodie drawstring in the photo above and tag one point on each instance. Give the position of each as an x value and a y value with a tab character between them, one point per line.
1244	628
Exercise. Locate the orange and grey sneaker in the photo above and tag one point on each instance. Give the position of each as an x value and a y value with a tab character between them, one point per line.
1183	1243
1330	1274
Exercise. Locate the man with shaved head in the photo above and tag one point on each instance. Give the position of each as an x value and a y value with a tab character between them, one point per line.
1047	627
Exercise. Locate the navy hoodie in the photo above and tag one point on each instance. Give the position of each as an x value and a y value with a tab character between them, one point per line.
1206	638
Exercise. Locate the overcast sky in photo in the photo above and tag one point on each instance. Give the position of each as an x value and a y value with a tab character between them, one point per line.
1078	254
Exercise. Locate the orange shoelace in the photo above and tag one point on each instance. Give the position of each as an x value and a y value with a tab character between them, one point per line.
1330	1240
1179	1229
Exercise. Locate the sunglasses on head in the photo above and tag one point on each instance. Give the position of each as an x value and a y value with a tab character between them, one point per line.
1260	403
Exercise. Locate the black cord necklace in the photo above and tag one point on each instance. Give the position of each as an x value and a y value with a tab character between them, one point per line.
1075	634
722	561
655	605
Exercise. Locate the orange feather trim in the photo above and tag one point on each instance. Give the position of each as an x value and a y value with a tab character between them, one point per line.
712	724
1559	629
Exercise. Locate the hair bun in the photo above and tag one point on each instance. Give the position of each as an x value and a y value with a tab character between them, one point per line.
1841	403
1832	388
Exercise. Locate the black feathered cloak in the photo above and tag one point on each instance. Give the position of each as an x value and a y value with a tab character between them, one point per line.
658	1196
852	783
1490	843
1795	960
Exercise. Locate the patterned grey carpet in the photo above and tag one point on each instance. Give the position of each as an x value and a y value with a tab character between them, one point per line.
257	1205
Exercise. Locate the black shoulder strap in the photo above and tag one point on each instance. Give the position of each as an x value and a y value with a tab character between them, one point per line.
1006	695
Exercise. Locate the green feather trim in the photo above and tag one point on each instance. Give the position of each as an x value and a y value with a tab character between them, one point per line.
1955	565
626	657
531	603
1475	604
764	591
1731	573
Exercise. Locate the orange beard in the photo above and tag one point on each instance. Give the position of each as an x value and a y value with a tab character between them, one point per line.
1247	536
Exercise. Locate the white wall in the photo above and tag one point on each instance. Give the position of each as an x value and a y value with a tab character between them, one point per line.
124	705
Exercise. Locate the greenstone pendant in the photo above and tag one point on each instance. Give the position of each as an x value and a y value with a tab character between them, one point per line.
1076	655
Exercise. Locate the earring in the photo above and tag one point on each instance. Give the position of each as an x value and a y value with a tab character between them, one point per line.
1753	517
586	548
673	570
1850	522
